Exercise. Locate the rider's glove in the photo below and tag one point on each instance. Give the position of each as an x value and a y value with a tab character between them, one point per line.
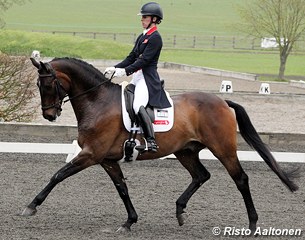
109	71
119	72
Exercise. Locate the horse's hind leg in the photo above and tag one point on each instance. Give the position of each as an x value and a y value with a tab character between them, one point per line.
114	171
190	160
242	182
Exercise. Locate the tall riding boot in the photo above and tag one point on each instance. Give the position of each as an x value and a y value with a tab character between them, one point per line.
148	130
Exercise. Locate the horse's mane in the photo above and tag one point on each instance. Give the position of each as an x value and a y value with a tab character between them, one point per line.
90	73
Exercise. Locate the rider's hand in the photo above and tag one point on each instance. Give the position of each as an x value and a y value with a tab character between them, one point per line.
119	72
109	71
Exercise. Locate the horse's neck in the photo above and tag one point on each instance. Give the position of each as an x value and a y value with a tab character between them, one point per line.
96	104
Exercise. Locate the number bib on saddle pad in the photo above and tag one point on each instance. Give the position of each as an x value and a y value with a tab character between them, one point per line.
164	118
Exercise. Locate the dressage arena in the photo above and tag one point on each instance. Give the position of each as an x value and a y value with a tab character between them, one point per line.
87	205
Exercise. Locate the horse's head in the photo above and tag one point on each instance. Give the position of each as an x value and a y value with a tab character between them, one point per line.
52	92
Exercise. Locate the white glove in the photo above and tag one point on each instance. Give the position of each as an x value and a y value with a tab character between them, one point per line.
119	72
109	71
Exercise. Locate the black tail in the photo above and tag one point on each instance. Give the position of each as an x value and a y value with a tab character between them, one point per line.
251	136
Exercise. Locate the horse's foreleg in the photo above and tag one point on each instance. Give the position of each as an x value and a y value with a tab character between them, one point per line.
68	170
199	173
114	171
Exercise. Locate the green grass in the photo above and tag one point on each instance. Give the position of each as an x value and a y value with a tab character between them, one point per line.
180	16
258	62
23	43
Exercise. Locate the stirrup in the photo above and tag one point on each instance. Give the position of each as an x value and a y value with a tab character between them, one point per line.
152	146
149	146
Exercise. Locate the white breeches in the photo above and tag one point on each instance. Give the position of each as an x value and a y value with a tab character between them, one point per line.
141	95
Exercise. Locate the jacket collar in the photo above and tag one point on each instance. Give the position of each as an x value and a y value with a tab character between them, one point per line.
151	30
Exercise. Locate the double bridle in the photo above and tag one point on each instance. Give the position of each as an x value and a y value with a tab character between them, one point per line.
60	89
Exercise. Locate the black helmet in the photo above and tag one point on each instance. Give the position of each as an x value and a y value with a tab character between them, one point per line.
153	9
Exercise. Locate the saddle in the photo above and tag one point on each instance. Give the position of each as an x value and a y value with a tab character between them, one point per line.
162	120
129	98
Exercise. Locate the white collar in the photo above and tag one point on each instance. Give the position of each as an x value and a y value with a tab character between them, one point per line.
145	31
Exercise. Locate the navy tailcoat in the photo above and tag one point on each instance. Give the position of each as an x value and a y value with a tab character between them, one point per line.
145	55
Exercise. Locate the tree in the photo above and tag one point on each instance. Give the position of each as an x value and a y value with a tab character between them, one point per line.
5	5
284	20
17	88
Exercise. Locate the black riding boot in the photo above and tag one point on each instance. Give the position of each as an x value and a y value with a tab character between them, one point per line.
148	130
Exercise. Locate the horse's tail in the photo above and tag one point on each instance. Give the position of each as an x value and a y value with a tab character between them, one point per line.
251	136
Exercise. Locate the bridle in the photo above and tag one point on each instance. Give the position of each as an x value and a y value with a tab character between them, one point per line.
61	92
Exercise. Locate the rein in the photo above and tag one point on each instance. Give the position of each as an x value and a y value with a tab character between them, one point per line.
87	91
59	86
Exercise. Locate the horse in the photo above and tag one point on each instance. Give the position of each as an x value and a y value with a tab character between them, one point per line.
202	120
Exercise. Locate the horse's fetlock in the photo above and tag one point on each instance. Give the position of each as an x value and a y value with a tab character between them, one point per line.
58	177
242	181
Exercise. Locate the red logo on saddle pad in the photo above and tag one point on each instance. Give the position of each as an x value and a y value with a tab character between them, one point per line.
161	122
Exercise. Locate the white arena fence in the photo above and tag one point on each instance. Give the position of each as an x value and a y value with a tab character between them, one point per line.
73	149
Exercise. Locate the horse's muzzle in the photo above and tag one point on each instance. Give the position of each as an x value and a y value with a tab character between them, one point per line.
51	114
50	117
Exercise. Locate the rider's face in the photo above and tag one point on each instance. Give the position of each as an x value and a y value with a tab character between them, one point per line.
145	21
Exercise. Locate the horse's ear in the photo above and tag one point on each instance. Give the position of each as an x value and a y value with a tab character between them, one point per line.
35	63
43	66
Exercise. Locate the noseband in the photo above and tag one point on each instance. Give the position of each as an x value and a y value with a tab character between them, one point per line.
58	87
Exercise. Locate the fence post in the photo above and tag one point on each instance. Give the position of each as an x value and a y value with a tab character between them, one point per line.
194	41
233	42
214	41
174	42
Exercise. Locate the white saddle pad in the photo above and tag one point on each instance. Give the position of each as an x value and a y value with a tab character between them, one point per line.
164	118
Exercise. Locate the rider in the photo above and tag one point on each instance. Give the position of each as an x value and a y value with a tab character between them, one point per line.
142	63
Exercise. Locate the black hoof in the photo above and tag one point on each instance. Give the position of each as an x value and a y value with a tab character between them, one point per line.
182	218
28	212
123	229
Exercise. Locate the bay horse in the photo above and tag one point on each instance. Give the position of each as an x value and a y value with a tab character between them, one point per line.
202	120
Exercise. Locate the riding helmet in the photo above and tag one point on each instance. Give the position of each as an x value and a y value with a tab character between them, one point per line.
151	9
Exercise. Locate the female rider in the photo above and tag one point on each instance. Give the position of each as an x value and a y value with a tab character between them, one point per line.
142	64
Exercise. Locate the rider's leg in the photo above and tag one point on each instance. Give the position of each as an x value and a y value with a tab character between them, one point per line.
148	129
141	97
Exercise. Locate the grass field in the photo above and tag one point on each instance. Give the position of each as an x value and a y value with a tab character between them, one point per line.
180	16
199	17
241	61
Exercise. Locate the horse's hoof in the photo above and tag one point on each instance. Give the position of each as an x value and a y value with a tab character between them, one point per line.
123	229
182	218
252	227
28	212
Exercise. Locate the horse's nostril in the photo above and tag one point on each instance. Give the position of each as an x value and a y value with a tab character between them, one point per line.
49	117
